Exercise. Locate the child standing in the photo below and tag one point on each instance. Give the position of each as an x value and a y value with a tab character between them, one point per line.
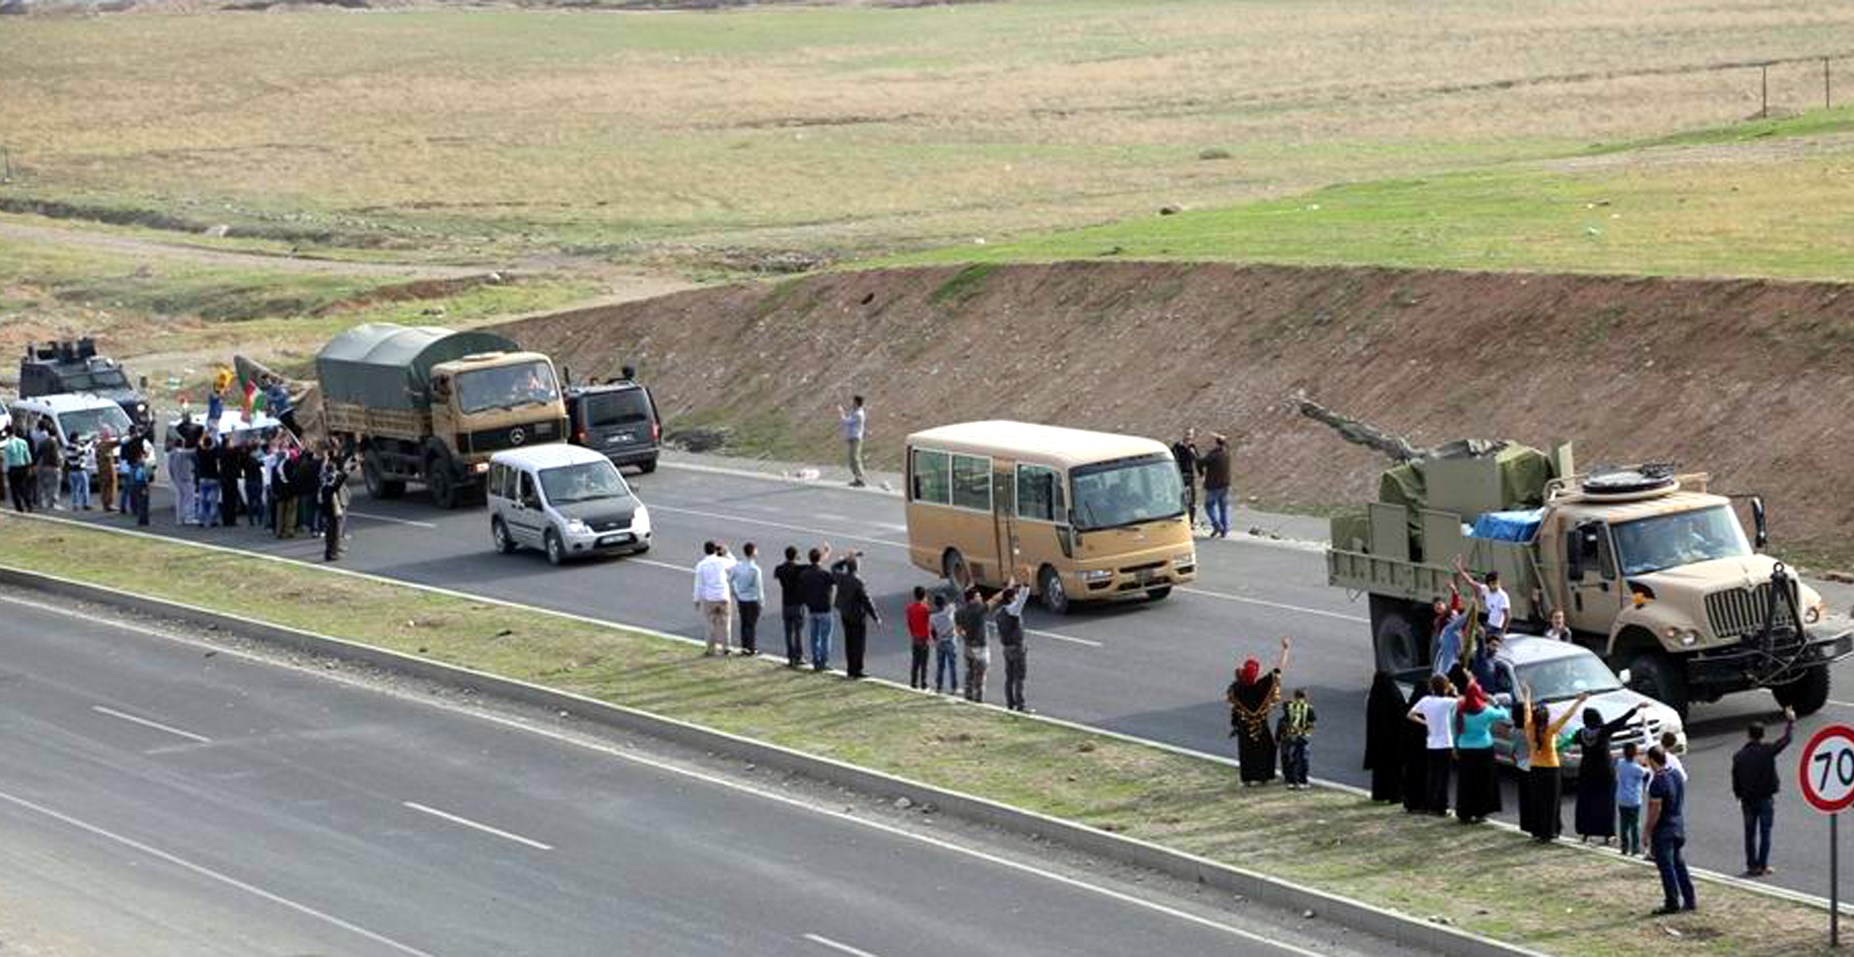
1631	784
1297	718
946	646
920	638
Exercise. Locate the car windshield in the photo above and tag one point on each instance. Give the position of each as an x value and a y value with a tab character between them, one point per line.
1567	677
98	379
1127	491
506	387
91	421
609	409
1682	538
583	483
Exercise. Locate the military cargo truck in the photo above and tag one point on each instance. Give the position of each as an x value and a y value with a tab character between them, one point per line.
426	404
1651	569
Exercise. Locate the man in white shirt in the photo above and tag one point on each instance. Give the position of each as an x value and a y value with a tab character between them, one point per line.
1494	599
711	596
854	422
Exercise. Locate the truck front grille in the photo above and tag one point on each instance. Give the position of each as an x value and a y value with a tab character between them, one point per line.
1736	612
532	433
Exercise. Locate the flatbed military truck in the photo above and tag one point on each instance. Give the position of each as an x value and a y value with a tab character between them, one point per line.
431	405
1651	569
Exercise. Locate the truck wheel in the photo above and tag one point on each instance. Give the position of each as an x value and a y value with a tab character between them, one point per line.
440	483
647	466
378	485
556	552
1658	676
1806	694
1397	636
1055	597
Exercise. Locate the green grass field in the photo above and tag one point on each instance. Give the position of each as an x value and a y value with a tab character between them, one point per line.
841	130
1764	199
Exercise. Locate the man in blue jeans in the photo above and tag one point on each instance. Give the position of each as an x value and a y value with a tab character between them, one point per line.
1755	783
1216	468
817	587
1667	834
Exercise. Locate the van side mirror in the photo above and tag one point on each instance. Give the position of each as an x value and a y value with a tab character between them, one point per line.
1760	526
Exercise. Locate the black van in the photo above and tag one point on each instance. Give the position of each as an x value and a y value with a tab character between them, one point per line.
618	419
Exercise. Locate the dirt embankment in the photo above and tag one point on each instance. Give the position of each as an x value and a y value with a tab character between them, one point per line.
1751	380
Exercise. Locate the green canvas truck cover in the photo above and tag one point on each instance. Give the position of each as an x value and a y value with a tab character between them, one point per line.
386	366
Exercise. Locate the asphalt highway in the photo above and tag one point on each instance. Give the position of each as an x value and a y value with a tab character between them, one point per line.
163	797
1151	669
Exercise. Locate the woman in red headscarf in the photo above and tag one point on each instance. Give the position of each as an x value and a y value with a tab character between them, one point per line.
1477	789
1252	697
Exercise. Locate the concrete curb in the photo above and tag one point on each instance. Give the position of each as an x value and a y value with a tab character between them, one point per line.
1357	915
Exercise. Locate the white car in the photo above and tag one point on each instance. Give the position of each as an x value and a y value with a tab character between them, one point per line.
1559	671
566	500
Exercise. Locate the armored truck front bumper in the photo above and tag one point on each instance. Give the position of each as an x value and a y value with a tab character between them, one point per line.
1747	665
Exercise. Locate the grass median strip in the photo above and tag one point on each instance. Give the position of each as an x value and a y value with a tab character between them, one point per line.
1490	881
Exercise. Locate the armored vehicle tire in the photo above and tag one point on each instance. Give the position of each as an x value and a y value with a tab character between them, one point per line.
1055	597
1658	676
1160	593
499	533
1397	635
441	484
1806	695
647	466
378	485
556	552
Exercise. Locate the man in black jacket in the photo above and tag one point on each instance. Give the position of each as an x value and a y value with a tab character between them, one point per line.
1185	452
856	609
792	606
815	586
1755	784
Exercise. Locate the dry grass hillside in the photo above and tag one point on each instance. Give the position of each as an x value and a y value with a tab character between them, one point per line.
1749	379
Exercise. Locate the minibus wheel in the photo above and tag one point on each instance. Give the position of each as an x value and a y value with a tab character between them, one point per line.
1055	597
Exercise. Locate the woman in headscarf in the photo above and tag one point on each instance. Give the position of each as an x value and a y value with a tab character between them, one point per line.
1252	697
1541	732
1415	743
1596	775
1477	791
1384	736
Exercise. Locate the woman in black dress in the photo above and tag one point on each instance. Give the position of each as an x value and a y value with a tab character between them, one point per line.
1384	734
1252	697
1415	743
1596	775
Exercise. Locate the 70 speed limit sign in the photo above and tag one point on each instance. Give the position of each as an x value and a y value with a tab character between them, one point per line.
1828	769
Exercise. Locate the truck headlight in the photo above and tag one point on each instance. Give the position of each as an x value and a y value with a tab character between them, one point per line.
480	467
577	526
1685	636
1097	575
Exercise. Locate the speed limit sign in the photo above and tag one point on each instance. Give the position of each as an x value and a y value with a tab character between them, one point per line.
1828	769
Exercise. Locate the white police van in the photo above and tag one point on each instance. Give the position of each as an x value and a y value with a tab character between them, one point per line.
565	500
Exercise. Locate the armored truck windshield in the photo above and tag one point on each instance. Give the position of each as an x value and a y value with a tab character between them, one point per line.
506	387
1127	492
1682	538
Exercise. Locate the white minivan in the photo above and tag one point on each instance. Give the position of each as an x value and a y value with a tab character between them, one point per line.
567	500
70	415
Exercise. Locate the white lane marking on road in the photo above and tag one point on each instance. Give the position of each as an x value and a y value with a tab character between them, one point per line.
1270	604
833	516
389	518
1843	704
144	722
211	874
771	524
841	948
486	829
1068	638
653	563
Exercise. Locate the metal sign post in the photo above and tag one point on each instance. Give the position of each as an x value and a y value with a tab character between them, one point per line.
1827	779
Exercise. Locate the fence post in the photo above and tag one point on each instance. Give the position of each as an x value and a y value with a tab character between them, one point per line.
1828	99
1763	111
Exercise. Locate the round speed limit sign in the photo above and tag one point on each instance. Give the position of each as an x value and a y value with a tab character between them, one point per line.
1828	769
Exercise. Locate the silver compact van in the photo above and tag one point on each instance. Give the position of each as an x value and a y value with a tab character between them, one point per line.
565	500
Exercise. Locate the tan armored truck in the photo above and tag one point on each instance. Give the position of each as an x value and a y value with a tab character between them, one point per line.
426	404
1651	569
